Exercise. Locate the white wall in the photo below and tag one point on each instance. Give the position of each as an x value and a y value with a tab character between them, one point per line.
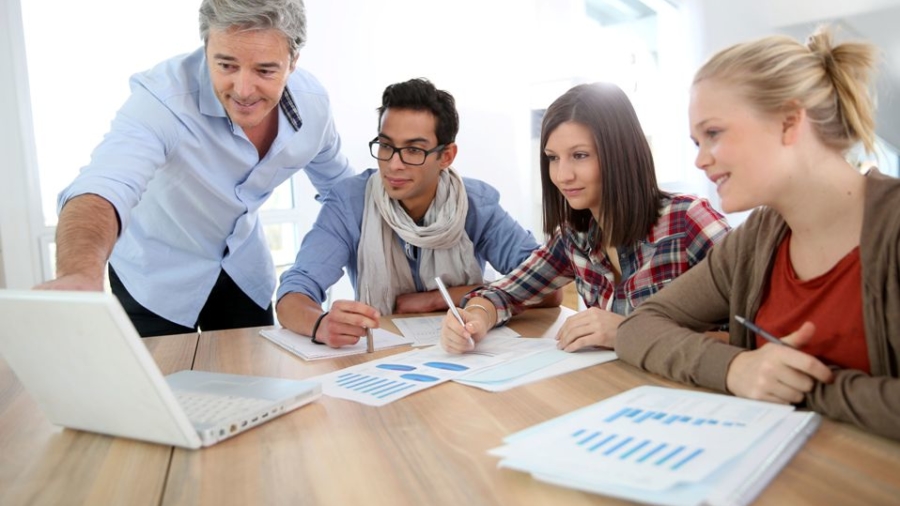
358	47
499	59
717	24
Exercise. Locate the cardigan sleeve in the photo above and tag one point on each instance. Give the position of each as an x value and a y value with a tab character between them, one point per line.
665	335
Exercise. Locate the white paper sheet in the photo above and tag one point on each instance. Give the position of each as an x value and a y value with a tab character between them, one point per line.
382	381
426	330
545	364
304	348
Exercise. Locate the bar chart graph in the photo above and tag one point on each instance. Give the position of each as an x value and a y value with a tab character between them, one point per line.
649	437
638	415
636	450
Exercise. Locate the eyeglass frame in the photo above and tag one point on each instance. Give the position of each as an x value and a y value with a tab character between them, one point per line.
399	152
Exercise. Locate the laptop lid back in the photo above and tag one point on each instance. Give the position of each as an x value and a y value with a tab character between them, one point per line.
81	359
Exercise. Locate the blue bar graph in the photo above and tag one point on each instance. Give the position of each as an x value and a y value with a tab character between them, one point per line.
635	450
637	415
616	416
687	459
601	443
646	456
588	439
616	446
669	455
372	385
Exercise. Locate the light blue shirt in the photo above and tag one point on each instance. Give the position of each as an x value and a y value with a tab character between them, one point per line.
187	183
331	246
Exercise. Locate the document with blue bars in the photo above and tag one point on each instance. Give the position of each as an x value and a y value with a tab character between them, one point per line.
663	446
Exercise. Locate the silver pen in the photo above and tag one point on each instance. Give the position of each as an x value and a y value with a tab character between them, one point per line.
370	337
449	300
760	332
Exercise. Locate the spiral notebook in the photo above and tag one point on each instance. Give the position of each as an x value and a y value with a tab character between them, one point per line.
665	446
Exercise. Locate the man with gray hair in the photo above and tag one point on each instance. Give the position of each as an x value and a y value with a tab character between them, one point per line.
172	193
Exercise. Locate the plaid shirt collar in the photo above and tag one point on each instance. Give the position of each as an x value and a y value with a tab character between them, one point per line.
289	107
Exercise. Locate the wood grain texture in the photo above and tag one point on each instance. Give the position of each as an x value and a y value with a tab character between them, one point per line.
428	448
431	447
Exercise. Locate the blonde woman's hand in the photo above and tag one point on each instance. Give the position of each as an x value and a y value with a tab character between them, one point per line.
774	373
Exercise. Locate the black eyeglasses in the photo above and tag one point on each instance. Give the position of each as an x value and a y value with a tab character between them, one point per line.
408	155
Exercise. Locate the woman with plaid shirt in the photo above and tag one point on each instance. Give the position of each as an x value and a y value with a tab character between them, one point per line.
612	230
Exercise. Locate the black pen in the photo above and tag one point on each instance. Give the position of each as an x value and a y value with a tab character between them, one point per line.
760	332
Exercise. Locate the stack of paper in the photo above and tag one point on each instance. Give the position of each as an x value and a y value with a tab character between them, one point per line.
304	348
664	446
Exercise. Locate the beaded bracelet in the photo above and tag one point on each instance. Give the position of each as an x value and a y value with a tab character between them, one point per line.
316	327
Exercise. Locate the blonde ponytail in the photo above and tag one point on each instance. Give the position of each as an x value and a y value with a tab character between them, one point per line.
831	82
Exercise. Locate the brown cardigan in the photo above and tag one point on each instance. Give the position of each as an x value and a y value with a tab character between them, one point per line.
664	335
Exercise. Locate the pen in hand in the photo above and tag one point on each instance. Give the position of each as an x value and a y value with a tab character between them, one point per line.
449	300
370	337
760	332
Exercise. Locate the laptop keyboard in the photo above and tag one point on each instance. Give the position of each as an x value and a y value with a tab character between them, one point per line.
211	408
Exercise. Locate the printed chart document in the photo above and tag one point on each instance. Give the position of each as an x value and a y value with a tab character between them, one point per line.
545	364
382	381
564	314
426	330
304	348
664	446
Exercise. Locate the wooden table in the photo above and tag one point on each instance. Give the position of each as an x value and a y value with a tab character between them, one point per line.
428	448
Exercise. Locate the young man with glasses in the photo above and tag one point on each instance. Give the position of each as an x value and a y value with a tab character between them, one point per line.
397	228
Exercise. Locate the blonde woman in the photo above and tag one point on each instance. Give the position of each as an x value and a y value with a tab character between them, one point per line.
817	264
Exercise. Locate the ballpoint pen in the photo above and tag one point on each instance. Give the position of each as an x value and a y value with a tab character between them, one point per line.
370	338
449	300
760	332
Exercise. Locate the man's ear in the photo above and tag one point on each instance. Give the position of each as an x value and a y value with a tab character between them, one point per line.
793	121
448	154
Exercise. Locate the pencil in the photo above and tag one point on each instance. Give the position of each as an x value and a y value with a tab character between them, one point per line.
760	332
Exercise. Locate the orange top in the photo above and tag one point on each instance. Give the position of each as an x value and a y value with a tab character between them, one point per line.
832	301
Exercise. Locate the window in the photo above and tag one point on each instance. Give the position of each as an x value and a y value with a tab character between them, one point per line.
79	64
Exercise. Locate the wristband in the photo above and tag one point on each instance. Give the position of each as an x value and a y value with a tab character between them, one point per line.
316	327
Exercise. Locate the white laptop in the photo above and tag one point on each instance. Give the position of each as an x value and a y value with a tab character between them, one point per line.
81	359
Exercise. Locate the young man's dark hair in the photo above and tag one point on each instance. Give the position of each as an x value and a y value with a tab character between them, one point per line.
421	95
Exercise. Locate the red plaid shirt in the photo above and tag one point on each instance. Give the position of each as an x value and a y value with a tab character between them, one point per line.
687	228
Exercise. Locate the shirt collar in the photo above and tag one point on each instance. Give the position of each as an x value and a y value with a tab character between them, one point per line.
584	241
289	108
